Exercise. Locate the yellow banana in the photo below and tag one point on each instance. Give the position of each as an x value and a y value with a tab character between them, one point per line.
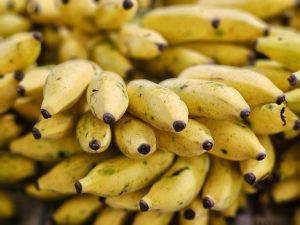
290	134
53	35
11	23
248	188
178	186
111	216
157	105
71	48
194	140
254	87
153	218
232	210
223	184
135	138
293	100
234	140
107	97
7	206
44	11
182	23
276	30
28	108
9	129
215	218
32	191
12	6
209	98
45	150
121	175
286	190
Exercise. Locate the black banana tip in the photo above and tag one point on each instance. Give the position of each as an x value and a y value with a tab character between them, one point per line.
280	99
215	23
102	199
127	4
207	145
144	149
251	58
94	144
162	46
65	1
21	90
292	80
250	178
244	114
129	73
208	203
108	118
36	133
19	75
261	156
78	187
266	31
179	125
45	114
296	125
37	36
143	206
189	214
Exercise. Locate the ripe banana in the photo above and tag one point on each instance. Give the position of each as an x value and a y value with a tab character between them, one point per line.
71	48
111	216
254	87
11	23
286	190
223	184
9	129
153	218
32	191
135	138
293	100
18	6
209	98
178	186
44	11
107	97
7	205
157	105
194	140
121	175
28	108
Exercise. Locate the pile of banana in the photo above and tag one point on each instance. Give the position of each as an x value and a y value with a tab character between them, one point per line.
149	112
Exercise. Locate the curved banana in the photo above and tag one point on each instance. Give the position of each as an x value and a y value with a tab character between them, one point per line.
28	108
11	23
178	186
7	205
293	100
10	129
32	191
194	140
111	216
18	6
209	98
121	175
153	218
157	105
254	87
44	11
286	190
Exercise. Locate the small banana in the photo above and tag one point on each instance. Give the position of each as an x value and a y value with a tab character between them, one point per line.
18	6
9	129
293	100
223	184
157	105
7	205
93	135
28	108
194	140
44	11
135	138
121	175
178	186
107	97
153	218
71	48
32	191
11	23
286	190
254	87
111	216
209	98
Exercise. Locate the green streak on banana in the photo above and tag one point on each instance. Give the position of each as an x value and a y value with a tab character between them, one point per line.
153	218
157	105
182	23
209	98
139	43
11	23
9	129
19	51
7	206
62	176
194	140
128	201
65	84
107	96
44	11
233	140
135	138
12	6
14	168
293	100
122	175
76	210
286	190
28	108
223	184
43	195
254	87
178	186
215	218
45	150
71	48
194	214
93	135
239	54
111	216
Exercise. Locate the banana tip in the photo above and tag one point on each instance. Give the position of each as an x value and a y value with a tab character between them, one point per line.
18	75
244	114
189	214
108	118
162	46
208	203
207	145
37	36
144	206
292	79
36	133
280	99
250	178
102	199
266	31
144	149
296	125
179	125
21	90
94	144
45	114
127	4
78	187
261	156
215	23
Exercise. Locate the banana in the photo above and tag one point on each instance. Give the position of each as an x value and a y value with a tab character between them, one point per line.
9	129
107	97
194	140
272	118
44	11
128	201
215	218
290	134
11	23
194	214
277	30
7	205
153	218
297	215
182	23
45	150
248	188
223	184
43	195
254	87
28	108
111	216
239	54
54	34
65	84
121	175
178	186
135	138
62	176
76	210
12	6
19	51
232	210
157	105
209	98
253	170
286	190
293	100
138	42
14	168
234	140
71	48
294	79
